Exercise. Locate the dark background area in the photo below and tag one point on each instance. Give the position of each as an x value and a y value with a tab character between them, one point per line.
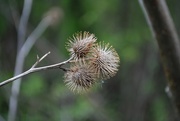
136	93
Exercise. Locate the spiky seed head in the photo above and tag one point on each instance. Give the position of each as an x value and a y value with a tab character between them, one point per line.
81	44
105	61
80	78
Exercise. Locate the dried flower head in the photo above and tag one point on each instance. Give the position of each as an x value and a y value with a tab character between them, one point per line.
91	62
80	78
105	61
81	44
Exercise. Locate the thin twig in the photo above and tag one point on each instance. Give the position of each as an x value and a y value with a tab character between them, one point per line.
36	69
64	69
40	59
23	22
14	13
23	52
21	33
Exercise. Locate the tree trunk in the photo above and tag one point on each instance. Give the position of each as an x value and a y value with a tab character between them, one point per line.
163	29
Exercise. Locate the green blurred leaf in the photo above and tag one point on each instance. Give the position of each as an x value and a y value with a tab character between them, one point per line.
33	86
159	110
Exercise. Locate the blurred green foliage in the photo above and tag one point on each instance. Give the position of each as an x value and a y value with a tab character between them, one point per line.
159	110
136	93
34	86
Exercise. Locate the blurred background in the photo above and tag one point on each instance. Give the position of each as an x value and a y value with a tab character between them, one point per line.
136	93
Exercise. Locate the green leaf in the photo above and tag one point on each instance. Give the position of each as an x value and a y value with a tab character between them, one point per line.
33	86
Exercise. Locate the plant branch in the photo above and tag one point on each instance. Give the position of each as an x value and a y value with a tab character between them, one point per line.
21	55
23	22
162	27
40	59
36	69
21	34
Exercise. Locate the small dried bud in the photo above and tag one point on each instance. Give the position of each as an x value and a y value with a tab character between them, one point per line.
81	44
105	61
80	78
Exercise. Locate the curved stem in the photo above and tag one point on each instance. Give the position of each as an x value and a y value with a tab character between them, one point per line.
36	69
21	34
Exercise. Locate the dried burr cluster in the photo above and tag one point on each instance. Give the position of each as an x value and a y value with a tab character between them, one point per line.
91	62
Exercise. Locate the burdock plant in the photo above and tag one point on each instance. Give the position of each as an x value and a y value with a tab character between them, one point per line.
89	62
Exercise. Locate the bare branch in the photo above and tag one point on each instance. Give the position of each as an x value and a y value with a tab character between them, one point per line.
23	22
21	33
23	52
53	66
64	69
36	69
40	59
23	49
